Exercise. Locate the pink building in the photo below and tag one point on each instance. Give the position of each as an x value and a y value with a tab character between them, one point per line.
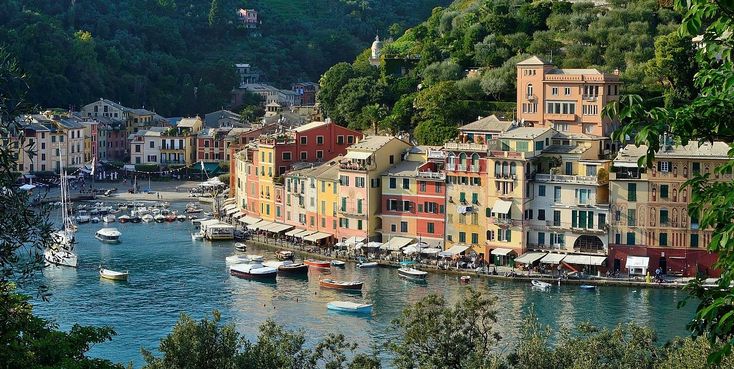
247	17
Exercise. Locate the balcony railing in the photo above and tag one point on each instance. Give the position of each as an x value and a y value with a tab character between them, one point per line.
352	214
559	178
466	146
537	246
507	154
593	231
431	175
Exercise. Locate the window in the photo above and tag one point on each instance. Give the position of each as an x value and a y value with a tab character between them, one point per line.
137	148
529	90
541	190
475	238
664	166
590	110
406	183
556	218
590	170
152	144
422	186
438	187
344	204
696	167
393	228
602	221
350	139
631	191
560	107
403	227
582	195
694	240
304	140
663	191
541	214
475	198
556	193
554	91
630	238
663	217
319	140
522	146
340	140
286	155
538	145
462	237
392	159
541	238
430	228
359	182
304	155
567	91
393	183
359	206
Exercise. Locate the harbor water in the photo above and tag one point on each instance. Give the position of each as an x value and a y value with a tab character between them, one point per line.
170	274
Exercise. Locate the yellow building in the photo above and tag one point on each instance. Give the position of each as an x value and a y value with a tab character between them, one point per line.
178	145
266	179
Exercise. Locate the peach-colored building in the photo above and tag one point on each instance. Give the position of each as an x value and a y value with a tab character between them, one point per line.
568	100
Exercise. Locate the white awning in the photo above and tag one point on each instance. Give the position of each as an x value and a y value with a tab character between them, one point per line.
584	259
357	155
530	257
280	227
229	201
637	261
237	214
410	250
354	240
454	250
249	219
552	258
396	243
304	234
233	210
230	206
260	225
501	206
501	251
430	250
294	231
318	236
625	164
267	227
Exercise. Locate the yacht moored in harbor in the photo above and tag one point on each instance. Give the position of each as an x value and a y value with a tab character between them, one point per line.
108	235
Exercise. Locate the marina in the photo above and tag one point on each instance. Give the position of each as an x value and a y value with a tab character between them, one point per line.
170	273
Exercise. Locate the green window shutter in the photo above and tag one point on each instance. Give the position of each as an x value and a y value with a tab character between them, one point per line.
509	235
474	198
488	212
573	218
344	204
462	196
591	219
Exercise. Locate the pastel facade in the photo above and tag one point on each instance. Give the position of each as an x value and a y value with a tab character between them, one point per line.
178	144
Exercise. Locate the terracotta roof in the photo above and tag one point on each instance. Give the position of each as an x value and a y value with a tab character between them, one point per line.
487	124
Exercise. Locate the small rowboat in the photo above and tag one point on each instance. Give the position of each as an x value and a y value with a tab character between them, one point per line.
587	287
338	263
412	273
349	307
317	263
253	271
181	218
147	218
170	218
340	285
239	246
159	218
465	279
540	284
124	219
284	255
113	275
370	264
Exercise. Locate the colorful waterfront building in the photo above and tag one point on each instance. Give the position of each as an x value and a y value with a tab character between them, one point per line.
651	227
569	213
306	196
360	184
568	100
414	197
178	144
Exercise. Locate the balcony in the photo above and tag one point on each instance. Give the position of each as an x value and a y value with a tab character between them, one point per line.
466	146
561	117
631	174
531	97
352	214
589	98
431	175
504	222
559	178
505	177
507	154
591	231
553	247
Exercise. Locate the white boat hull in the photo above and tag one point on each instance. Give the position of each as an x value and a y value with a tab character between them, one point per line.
62	258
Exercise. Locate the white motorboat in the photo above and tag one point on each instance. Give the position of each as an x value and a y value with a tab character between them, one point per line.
108	235
349	307
83	218
198	220
147	218
369	264
239	246
159	218
239	259
94	220
109	218
197	236
253	271
540	284
273	263
113	275
338	263
412	273
181	218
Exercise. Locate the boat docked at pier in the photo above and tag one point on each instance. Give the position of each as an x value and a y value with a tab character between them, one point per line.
109	218
255	271
108	235
340	285
349	307
239	259
412	273
284	255
61	248
317	263
124	218
540	284
288	267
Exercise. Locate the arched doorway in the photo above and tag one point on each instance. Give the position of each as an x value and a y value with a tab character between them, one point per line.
588	243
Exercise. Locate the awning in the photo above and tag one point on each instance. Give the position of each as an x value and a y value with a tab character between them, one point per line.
410	250
260	225
248	219
229	201
501	251
396	243
454	250
625	164
430	250
637	261
530	257
501	206
230	206
294	231
304	234
318	236
211	168
237	214
279	227
232	210
354	240
357	155
552	258
584	259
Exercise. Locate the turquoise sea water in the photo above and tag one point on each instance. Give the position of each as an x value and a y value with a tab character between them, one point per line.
171	274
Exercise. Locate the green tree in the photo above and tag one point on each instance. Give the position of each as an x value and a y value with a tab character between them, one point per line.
371	115
707	117
215	14
438	102
353	97
331	84
674	66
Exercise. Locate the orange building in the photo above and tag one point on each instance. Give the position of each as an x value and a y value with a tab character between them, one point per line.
568	100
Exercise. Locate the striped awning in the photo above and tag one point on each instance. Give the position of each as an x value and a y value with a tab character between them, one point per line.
249	219
530	257
232	210
318	236
294	232
584	259
304	234
237	214
396	243
279	227
260	225
229	201
230	206
552	258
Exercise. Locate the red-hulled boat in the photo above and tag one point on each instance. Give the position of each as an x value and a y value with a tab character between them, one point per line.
171	218
340	285
317	263
290	268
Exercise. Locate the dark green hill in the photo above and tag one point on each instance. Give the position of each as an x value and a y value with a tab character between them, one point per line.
169	56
